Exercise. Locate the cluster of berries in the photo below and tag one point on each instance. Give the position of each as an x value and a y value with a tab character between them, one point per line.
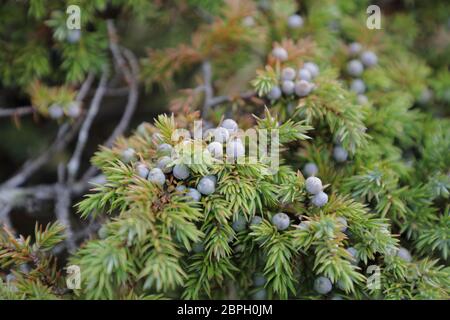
225	136
72	110
166	165
292	81
217	139
315	188
355	68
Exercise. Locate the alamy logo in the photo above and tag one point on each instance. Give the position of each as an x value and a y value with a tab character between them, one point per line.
73	280
373	281
73	21
243	147
374	19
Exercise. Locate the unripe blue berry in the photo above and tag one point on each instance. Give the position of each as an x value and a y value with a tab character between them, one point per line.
221	135
208	133
73	35
212	177
215	149
128	155
323	285
260	294
235	149
280	53
55	111
165	149
181	171
230	125
259	280
206	185
288	86
404	254
240	224
313	185
156	176
312	68
274	93
142	170
355	68
304	74
354	48
369	58
295	21
303	88
354	254
310	169
194	194
74	109
163	164
288	74
256	220
281	221
320	199
340	154
358	86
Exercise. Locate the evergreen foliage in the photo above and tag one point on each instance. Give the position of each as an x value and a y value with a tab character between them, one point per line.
178	223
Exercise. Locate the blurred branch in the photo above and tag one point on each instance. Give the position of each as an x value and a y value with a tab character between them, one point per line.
12	112
62	205
214	101
74	162
84	89
65	134
16	197
115	92
115	50
132	99
210	100
130	72
63	199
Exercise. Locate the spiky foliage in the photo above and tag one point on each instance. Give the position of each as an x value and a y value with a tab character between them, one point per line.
30	268
151	245
391	170
398	159
392	190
